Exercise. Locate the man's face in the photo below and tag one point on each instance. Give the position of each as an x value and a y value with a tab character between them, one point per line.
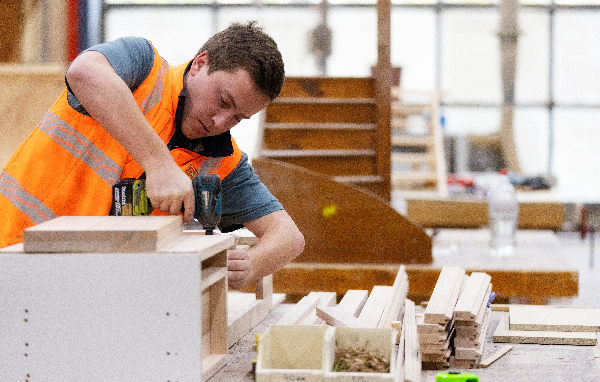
217	102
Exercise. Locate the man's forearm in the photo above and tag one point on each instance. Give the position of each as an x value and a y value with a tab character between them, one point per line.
279	242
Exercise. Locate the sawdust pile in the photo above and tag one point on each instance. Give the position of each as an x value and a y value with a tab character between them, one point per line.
360	361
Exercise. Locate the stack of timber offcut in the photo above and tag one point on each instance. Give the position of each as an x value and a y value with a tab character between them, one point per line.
471	320
453	327
436	327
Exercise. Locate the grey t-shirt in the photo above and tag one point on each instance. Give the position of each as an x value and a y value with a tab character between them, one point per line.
245	198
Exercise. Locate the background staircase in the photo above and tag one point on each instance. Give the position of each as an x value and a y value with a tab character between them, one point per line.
327	125
418	161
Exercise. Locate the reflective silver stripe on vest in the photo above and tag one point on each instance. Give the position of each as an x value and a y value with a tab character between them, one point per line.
155	95
210	165
24	200
81	147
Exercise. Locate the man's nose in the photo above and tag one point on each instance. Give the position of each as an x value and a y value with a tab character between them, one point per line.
223	120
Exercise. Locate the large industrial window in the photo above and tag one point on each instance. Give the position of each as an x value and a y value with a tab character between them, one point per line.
450	46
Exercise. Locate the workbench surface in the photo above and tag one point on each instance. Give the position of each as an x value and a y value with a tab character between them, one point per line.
525	362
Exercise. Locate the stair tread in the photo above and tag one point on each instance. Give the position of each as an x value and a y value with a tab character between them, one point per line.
323	126
406	140
316	153
413	157
319	100
358	178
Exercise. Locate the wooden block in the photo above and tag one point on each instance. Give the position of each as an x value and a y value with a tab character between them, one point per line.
243	236
102	234
300	310
504	334
325	299
445	294
335	316
461	363
440	357
494	357
375	305
473	294
353	301
440	329
435	365
546	318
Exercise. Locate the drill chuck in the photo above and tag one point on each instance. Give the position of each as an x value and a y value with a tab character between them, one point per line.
207	191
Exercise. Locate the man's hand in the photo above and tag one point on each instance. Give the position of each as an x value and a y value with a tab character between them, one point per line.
238	268
168	187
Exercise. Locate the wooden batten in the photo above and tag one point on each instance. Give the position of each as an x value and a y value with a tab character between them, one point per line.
395	303
445	294
375	305
473	294
353	301
412	352
335	316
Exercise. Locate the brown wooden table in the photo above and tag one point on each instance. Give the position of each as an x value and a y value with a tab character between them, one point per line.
540	269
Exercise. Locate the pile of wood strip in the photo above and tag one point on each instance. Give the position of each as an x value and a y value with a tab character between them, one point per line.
471	320
452	329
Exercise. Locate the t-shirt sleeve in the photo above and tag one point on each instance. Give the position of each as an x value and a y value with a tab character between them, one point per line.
245	198
132	59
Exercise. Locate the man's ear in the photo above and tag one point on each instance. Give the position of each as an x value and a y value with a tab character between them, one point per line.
199	62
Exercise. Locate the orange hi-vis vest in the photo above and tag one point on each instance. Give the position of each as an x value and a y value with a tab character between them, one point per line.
68	164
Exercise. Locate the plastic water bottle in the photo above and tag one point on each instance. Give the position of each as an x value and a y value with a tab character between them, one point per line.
503	213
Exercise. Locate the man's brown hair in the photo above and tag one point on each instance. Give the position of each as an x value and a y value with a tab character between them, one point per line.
246	46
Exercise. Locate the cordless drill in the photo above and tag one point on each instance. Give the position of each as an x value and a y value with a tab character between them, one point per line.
129	198
207	191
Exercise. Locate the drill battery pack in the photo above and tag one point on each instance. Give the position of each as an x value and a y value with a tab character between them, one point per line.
129	198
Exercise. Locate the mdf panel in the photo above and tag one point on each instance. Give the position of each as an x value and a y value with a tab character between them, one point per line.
100	317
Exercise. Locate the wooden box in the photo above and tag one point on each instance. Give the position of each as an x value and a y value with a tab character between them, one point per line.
307	353
294	353
380	341
155	315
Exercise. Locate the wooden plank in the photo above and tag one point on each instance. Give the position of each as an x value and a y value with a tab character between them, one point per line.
539	318
445	294
328	87
102	234
504	334
412	352
335	316
473	294
494	357
353	301
300	310
395	303
318	139
375	305
472	213
321	113
325	299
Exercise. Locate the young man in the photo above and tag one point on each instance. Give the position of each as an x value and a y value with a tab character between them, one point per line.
126	113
